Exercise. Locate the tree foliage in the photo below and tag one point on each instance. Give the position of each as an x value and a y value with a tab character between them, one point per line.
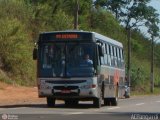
152	22
15	53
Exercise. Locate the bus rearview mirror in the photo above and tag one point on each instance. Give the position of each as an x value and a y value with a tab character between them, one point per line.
35	54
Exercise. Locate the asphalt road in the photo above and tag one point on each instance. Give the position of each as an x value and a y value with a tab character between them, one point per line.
144	107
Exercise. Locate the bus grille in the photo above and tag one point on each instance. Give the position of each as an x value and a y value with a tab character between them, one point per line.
65	87
66	81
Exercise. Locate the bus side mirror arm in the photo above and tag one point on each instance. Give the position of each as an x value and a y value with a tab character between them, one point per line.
101	51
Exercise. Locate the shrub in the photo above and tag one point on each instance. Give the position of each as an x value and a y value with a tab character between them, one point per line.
15	50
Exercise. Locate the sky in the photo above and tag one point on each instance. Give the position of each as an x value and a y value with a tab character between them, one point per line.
156	5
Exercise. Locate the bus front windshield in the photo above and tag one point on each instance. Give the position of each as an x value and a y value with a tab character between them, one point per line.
67	60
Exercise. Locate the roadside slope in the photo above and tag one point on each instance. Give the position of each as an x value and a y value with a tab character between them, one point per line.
10	94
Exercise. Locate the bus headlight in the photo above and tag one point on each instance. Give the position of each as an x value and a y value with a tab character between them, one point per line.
44	85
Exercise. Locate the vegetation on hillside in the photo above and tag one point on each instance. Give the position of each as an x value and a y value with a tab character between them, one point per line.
22	20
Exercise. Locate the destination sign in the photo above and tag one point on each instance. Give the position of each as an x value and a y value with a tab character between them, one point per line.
65	36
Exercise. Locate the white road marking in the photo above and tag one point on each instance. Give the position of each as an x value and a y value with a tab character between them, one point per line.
18	108
2	108
74	113
157	101
113	108
140	103
13	108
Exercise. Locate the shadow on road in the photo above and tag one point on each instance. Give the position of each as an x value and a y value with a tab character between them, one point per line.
61	105
24	105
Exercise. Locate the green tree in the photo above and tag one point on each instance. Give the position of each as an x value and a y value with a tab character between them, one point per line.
133	16
153	30
61	21
115	6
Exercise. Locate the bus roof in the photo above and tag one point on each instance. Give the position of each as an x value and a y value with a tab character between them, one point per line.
66	31
107	39
96	35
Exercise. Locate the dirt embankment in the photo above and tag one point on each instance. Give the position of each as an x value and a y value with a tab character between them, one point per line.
10	95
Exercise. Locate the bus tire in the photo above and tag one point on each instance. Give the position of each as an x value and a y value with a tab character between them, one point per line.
97	102
106	101
114	101
50	101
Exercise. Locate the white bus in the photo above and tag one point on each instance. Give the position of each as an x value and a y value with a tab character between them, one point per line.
79	65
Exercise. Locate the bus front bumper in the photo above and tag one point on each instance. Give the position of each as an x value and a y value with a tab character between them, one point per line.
65	93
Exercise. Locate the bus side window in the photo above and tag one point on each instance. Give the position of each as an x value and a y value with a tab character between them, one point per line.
105	55
112	56
115	56
121	57
102	57
109	55
104	47
118	56
107	49
115	52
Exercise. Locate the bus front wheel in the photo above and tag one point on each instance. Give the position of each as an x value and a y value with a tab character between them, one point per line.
50	102
97	101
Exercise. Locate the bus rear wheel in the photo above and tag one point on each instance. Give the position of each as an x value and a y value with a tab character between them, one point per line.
97	102
50	101
106	101
114	101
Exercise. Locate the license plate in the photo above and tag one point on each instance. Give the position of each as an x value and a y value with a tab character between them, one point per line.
65	91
